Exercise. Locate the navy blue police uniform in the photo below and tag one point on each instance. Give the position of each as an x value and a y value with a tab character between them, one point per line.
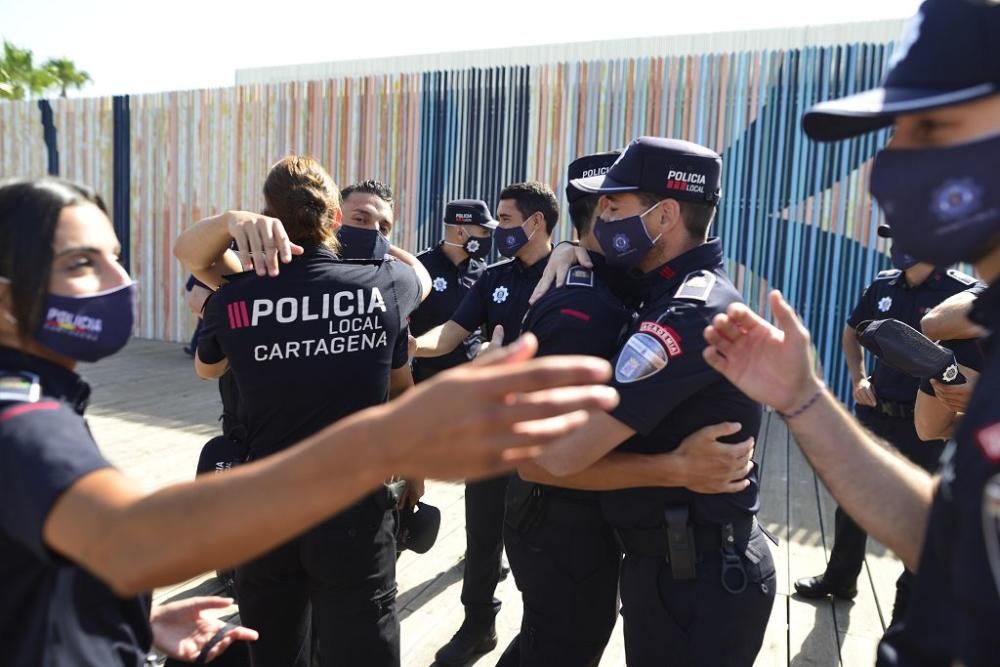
956	590
563	554
698	580
450	283
291	341
889	295
499	297
60	613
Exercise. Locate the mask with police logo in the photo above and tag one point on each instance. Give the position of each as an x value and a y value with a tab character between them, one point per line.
88	328
624	242
942	204
510	241
475	247
357	243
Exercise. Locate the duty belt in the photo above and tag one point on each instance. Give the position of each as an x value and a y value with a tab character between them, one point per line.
895	409
681	544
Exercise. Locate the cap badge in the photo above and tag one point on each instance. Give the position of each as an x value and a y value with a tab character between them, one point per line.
440	284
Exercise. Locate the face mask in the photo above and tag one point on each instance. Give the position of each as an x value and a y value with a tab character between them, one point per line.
88	328
357	243
510	241
624	242
942	203
900	260
476	248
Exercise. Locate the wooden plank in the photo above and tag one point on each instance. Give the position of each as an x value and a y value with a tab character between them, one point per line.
772	456
812	633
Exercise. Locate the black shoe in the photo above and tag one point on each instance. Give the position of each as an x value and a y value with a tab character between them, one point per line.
815	588
470	641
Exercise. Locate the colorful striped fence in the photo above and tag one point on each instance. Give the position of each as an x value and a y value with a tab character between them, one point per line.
795	214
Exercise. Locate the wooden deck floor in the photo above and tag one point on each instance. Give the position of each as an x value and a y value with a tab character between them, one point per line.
151	415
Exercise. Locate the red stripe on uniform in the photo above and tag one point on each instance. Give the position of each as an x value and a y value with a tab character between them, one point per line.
232	312
575	313
243	311
28	407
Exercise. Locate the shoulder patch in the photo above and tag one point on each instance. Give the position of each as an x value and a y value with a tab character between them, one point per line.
887	274
580	276
961	277
643	355
22	387
697	286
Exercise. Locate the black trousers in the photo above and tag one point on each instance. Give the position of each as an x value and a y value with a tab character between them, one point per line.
484	510
696	622
849	540
338	581
565	560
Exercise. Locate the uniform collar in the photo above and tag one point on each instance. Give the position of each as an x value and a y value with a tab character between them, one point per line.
538	267
57	382
933	281
669	276
461	267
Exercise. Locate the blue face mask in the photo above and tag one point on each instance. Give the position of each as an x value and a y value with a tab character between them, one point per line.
88	328
900	260
942	204
510	241
624	242
357	243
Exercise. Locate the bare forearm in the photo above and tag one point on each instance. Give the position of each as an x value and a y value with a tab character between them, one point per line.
222	520
887	495
949	320
203	247
616	470
934	420
441	340
854	355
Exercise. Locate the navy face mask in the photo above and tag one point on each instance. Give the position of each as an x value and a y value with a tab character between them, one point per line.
474	247
624	242
357	243
942	204
88	328
510	241
900	260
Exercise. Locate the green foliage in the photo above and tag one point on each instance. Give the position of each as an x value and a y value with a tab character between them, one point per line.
21	79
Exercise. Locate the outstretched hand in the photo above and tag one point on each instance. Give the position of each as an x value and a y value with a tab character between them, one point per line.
770	364
181	629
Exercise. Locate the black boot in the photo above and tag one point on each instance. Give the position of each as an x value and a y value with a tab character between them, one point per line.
472	639
819	587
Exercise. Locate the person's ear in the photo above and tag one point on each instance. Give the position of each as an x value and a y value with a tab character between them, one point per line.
669	215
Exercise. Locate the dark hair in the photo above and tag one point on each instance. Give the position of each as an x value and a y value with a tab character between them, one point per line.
534	197
29	215
581	213
300	193
369	187
696	216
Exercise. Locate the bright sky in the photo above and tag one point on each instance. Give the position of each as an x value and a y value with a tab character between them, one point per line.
133	46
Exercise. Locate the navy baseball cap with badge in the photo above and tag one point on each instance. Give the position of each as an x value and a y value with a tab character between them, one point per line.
671	168
587	166
469	212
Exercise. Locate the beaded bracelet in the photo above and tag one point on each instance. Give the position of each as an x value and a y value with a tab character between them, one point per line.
808	404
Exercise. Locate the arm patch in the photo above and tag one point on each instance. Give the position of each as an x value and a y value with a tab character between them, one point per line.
697	286
580	276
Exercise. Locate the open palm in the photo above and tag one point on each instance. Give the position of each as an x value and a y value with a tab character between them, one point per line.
181	630
770	364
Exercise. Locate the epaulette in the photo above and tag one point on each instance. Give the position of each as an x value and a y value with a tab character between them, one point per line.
426	250
697	286
580	276
961	277
888	274
20	387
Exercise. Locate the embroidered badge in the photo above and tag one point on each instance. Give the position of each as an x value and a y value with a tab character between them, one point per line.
580	277
950	373
642	356
440	284
500	294
956	198
671	339
884	304
472	245
21	387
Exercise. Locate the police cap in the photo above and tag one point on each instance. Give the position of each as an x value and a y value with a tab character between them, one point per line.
469	212
587	166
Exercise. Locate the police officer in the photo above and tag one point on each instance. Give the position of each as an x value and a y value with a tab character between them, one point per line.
527	214
936	183
286	339
367	220
454	264
697	582
562	552
885	405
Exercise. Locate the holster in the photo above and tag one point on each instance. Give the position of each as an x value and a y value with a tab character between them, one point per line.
680	543
525	504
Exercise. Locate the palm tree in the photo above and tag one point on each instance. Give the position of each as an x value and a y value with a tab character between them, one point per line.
64	74
22	78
